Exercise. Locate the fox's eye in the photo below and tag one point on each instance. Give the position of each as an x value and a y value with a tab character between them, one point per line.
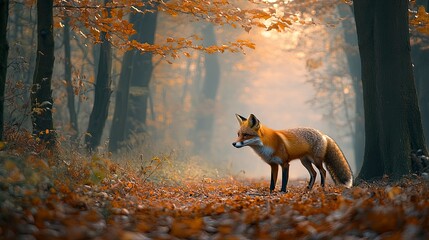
238	134
245	135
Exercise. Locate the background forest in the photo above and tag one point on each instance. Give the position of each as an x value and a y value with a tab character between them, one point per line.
121	113
184	77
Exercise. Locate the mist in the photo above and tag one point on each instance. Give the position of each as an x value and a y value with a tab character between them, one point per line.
119	119
193	96
270	81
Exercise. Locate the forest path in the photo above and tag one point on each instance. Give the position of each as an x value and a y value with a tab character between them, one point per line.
37	205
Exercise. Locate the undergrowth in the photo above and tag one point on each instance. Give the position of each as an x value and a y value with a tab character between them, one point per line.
72	165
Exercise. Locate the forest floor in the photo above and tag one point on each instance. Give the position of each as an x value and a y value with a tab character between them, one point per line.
43	196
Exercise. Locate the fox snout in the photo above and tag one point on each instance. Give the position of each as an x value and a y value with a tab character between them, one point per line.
256	141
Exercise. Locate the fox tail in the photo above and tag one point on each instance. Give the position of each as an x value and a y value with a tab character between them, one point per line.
337	164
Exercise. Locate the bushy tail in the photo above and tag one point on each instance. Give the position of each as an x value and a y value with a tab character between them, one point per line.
337	164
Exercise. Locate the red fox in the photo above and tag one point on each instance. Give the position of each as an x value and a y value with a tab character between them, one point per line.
279	147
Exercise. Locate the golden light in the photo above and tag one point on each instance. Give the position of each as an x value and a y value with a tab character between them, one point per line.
346	90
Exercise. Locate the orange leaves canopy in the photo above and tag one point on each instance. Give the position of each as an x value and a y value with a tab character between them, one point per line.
90	18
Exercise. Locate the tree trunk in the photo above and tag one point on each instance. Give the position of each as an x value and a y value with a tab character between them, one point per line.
99	113
4	50
31	62
205	111
353	60
421	70
117	131
68	79
141	75
392	118
422	82
41	93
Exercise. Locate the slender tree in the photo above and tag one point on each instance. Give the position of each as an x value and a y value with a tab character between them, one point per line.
142	68
4	49
41	93
423	86
133	88
205	115
393	126
421	61
117	130
68	78
100	110
28	24
420	56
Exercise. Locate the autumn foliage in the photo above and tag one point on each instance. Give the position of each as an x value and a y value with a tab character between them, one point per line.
90	18
63	194
420	20
81	197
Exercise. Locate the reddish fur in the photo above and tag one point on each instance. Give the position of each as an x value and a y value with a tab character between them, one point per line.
282	146
297	147
271	139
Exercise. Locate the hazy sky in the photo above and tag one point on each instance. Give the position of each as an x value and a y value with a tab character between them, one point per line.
279	101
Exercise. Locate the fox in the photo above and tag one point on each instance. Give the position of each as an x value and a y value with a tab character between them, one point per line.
280	147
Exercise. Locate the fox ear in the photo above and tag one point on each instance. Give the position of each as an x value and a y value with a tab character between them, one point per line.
240	119
253	122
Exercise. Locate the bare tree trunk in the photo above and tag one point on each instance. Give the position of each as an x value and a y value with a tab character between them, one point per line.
133	88
422	83
142	69
97	119
68	79
117	131
41	93
205	111
32	63
392	118
421	71
4	50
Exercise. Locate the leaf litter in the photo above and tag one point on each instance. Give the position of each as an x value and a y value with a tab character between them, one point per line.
97	199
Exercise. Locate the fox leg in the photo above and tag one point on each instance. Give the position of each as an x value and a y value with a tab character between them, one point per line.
307	164
285	176
322	171
274	173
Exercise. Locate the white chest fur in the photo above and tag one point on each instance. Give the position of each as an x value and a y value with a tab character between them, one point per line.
266	153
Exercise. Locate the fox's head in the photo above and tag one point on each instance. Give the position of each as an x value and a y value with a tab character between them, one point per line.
248	134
